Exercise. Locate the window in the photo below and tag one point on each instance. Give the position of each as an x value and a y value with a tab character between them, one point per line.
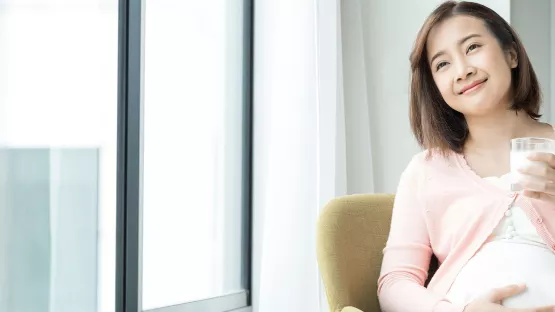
184	171
58	135
125	155
193	209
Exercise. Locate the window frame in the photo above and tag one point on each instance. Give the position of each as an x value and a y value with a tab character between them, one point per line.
130	167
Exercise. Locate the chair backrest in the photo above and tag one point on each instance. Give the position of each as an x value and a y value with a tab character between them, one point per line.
351	234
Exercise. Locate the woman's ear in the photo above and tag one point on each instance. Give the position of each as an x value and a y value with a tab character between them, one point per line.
512	56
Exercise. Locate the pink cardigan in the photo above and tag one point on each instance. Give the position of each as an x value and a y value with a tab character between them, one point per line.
445	208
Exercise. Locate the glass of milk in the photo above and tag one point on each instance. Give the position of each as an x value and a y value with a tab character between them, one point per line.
520	149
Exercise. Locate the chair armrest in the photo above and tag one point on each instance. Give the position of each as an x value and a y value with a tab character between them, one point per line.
351	234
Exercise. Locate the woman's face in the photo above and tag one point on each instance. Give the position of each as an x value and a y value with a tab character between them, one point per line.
469	67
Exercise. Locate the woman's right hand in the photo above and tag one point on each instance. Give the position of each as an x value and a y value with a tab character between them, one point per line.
491	302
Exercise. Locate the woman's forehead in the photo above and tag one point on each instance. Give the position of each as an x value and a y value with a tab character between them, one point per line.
451	31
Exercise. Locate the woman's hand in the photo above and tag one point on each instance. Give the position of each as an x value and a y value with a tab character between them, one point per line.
491	302
540	183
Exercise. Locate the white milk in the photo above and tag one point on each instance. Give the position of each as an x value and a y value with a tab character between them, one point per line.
519	159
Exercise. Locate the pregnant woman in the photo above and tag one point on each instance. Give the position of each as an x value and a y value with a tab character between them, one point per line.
473	89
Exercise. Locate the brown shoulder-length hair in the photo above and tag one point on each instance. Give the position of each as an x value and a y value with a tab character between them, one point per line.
437	126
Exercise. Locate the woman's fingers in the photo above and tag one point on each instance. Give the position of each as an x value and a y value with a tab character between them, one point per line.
537	185
499	294
548	158
541	309
543	171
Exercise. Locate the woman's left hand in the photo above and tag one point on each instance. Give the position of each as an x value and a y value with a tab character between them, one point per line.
541	181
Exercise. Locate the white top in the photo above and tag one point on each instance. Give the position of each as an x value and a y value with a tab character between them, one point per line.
513	254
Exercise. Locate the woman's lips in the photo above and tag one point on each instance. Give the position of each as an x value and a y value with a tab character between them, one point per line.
473	86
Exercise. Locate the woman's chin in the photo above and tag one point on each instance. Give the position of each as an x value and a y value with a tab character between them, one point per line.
481	110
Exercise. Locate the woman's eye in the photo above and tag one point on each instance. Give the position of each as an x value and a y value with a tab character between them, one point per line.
440	65
472	47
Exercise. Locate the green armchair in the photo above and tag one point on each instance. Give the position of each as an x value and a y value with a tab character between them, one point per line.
351	234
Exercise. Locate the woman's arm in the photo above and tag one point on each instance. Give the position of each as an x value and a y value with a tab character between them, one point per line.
408	252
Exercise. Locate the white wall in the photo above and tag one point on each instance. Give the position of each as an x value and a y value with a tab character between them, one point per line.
353	101
387	44
532	20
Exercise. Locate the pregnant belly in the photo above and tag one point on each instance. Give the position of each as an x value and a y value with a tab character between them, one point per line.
506	262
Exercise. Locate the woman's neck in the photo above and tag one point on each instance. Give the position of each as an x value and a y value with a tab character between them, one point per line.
495	131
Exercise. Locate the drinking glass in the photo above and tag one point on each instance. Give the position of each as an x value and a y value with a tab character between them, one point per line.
521	148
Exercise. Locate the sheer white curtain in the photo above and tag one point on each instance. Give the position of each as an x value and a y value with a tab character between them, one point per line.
331	82
285	181
311	139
